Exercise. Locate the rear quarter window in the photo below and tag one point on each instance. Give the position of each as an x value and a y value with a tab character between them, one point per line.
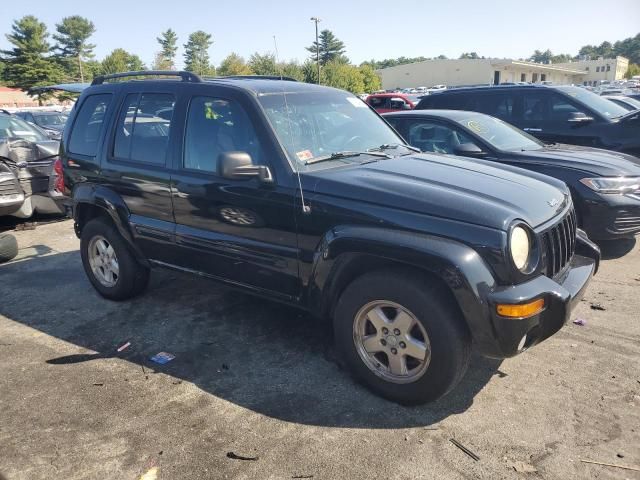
89	124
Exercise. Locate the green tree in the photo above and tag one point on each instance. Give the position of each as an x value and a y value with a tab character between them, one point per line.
330	48
166	58
629	48
541	57
29	63
72	44
234	64
196	54
632	71
263	64
370	79
291	69
119	60
341	75
470	55
309	71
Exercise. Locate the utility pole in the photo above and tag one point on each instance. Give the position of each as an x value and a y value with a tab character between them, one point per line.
317	20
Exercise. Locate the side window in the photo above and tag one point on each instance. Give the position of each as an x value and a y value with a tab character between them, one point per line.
397	103
379	102
561	108
143	128
536	106
497	105
88	125
454	101
215	126
434	137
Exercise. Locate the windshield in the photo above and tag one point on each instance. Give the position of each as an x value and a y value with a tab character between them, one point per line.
14	127
628	103
604	107
500	135
50	120
315	124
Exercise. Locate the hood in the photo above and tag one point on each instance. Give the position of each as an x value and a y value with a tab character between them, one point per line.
594	161
451	187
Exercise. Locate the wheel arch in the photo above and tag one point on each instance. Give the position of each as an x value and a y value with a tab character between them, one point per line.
348	252
91	201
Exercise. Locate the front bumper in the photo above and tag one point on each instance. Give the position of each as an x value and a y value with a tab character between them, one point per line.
560	294
613	216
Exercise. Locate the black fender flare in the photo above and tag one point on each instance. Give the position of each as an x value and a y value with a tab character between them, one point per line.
457	265
114	206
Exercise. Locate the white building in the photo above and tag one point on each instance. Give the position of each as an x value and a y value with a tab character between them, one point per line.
596	71
495	71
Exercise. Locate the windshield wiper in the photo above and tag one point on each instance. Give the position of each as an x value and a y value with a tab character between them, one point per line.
344	154
390	146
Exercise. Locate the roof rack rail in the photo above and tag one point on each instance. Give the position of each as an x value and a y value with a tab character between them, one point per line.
186	76
256	77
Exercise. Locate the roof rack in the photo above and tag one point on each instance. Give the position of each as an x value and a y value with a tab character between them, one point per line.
256	77
186	76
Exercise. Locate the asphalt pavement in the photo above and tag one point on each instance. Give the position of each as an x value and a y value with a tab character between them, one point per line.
254	391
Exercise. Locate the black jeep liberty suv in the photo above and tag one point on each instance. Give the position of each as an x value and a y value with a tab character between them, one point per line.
303	194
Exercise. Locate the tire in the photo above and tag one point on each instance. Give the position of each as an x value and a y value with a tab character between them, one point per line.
447	342
8	247
132	278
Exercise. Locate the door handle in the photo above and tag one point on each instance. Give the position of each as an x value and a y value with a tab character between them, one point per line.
532	129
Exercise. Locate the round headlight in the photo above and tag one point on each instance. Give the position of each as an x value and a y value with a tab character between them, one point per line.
520	247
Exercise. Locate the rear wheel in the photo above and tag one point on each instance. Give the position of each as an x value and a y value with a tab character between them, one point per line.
109	264
402	336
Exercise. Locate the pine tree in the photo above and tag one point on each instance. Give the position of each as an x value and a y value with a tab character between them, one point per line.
166	58
72	46
29	62
196	54
330	48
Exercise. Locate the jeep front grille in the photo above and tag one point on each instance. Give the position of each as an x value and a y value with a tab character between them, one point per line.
559	244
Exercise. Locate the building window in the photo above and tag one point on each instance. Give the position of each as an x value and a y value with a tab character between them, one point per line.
608	68
597	69
587	69
534	77
523	77
543	77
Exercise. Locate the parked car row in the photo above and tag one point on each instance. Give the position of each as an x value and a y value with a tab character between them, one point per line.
302	194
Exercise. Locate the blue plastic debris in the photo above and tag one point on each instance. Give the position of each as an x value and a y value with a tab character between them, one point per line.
162	358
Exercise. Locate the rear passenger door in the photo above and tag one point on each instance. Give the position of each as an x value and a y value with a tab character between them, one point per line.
135	164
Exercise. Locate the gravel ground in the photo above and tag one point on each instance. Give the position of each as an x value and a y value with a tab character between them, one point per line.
259	380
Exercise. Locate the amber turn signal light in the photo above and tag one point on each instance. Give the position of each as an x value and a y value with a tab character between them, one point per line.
522	310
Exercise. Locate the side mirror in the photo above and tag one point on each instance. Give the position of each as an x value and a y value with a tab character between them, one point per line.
469	150
579	117
239	166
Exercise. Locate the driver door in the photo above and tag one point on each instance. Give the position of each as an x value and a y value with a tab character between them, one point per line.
238	230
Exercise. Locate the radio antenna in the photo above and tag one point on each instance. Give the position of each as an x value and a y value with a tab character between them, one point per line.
305	208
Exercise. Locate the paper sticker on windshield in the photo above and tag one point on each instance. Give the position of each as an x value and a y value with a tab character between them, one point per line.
476	126
356	102
304	155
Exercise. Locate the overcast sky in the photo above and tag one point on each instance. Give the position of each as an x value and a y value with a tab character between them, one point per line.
372	29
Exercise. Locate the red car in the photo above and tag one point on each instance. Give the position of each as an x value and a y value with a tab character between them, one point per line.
392	102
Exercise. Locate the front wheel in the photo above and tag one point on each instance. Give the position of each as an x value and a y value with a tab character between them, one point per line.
109	264
402	336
